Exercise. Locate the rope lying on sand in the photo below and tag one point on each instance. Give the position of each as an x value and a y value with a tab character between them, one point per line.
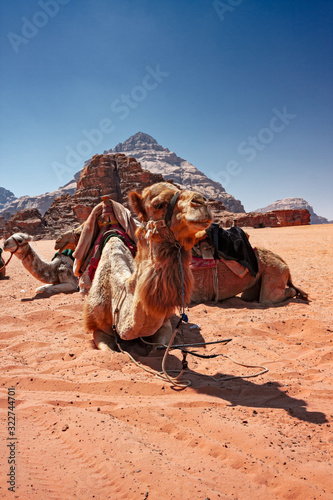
186	383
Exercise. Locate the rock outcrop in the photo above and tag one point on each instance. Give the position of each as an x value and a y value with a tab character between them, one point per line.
112	174
275	218
109	174
160	160
28	221
292	204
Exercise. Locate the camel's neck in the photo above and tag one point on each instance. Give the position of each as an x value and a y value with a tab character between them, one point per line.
162	275
152	287
39	268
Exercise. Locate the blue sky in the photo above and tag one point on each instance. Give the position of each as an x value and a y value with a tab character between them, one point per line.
240	88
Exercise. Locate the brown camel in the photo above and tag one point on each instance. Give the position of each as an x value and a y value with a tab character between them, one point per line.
271	285
139	295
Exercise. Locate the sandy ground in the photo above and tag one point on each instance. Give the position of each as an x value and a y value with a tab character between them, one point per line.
93	425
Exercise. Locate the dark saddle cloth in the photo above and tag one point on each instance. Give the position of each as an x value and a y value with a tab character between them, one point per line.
233	244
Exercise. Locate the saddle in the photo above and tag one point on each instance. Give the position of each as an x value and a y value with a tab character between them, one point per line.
230	245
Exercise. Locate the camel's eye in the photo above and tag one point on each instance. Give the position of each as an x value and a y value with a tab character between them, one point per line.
159	205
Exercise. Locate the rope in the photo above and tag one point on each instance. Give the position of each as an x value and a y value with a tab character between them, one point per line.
163	374
12	253
173	380
6	264
264	370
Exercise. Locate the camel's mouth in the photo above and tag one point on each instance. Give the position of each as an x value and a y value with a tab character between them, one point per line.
200	224
7	247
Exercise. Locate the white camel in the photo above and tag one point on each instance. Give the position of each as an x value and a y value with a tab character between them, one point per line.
58	273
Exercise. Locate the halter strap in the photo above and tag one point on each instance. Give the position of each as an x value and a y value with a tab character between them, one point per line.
12	253
171	208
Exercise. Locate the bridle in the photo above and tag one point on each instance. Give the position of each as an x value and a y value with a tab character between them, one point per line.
170	209
18	245
153	226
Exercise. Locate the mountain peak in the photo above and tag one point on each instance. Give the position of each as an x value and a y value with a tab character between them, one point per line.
137	141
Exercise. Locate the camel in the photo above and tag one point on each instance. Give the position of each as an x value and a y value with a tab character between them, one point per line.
135	297
58	273
272	285
69	239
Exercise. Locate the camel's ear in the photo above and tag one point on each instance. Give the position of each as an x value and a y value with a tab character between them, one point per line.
136	202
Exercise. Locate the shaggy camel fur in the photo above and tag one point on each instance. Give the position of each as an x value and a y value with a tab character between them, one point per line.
271	285
58	273
139	295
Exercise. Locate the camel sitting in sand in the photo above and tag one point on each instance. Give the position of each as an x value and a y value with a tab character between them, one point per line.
136	296
58	273
226	279
272	284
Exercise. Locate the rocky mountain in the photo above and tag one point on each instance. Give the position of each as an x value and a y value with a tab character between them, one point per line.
40	202
115	174
294	203
153	157
6	197
160	160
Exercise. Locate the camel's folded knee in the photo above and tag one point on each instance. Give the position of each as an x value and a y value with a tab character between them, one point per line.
105	342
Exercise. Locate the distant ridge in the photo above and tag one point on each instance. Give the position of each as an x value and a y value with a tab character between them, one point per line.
6	197
294	203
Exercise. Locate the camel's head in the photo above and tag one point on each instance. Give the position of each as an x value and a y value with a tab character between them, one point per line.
190	213
69	239
14	242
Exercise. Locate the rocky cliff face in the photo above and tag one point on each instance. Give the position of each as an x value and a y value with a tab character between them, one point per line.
159	160
28	221
275	218
6	197
112	174
109	174
292	204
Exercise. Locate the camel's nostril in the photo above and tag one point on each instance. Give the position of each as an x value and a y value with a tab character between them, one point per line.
198	202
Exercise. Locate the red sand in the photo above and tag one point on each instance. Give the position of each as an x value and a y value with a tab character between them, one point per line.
93	425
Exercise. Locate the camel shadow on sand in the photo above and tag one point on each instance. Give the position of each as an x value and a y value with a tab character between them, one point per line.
239	391
238	303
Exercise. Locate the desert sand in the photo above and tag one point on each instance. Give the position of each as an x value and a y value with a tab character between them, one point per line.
90	424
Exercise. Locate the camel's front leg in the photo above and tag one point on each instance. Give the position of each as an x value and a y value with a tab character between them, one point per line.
48	290
163	334
104	341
